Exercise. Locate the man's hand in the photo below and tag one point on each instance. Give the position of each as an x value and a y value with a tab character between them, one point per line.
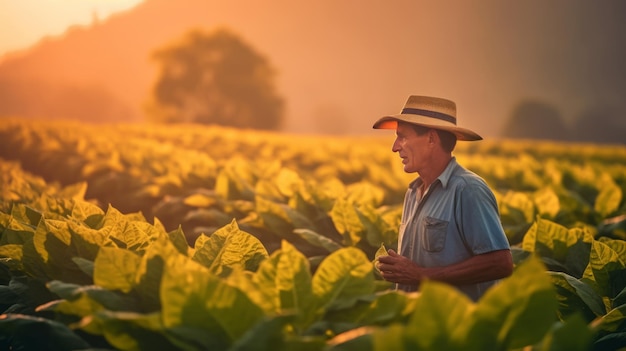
399	269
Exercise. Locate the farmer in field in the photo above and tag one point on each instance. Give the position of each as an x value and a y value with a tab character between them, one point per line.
450	230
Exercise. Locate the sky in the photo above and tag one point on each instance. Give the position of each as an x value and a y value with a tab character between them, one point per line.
367	56
24	22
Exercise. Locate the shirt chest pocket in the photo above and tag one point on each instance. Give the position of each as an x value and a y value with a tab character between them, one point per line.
434	234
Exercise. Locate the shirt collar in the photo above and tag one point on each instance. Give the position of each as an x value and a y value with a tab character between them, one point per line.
443	178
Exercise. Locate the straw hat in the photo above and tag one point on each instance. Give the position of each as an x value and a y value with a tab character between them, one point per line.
430	112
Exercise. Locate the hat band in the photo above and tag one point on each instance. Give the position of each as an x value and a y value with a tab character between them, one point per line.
428	113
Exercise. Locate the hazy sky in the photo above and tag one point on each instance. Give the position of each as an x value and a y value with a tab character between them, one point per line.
353	60
25	22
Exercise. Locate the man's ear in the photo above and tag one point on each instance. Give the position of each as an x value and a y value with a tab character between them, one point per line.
432	134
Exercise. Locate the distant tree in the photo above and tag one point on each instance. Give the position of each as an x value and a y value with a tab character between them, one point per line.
535	120
601	124
215	78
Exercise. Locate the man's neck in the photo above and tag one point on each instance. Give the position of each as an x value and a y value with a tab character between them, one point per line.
437	167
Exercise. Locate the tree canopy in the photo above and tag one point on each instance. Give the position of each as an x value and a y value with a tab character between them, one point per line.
532	119
215	78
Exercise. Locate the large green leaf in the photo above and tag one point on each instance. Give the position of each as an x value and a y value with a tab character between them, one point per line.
196	301
365	193
384	308
87	212
347	221
13	252
150	273
265	336
178	239
280	218
229	247
436	316
24	332
13	231
26	215
611	329
571	335
547	202
87	241
317	239
345	276
517	312
575	296
609	198
281	285
619	246
435	324
570	247
116	269
136	331
132	235
96	297
517	206
605	272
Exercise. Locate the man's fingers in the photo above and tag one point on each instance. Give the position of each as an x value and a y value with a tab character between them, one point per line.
391	252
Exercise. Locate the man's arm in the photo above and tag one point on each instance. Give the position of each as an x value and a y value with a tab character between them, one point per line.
484	267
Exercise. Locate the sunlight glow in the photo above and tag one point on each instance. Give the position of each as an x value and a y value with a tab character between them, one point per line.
24	22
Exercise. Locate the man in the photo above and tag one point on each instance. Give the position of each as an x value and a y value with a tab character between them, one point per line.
450	230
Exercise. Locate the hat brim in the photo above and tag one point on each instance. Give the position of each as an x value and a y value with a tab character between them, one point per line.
391	122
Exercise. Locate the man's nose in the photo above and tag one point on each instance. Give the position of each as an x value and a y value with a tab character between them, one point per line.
396	146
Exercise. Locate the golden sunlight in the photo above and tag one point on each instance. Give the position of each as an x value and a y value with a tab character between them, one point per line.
25	22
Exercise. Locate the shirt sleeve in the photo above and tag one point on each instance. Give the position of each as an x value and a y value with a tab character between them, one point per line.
479	219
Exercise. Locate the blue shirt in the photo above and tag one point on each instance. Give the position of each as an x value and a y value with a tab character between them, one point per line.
456	218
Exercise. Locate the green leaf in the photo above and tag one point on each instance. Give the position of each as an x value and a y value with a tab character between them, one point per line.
612	322
14	232
87	241
382	251
605	270
281	218
230	247
347	221
26	215
12	251
93	296
86	266
365	193
547	202
517	205
288	182
178	239
571	335
343	278
116	269
619	246
150	273
285	281
387	307
199	200
135	331
435	320
266	335
318	240
609	198
570	247
576	296
34	333
516	312
194	300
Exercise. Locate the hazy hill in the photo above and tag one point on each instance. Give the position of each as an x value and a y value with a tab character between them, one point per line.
342	64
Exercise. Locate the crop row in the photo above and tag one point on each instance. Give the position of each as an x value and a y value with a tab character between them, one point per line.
202	177
76	277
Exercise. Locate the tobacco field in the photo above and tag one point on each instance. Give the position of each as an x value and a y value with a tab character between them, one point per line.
187	237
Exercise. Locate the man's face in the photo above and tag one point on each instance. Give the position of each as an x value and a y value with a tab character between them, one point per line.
411	147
